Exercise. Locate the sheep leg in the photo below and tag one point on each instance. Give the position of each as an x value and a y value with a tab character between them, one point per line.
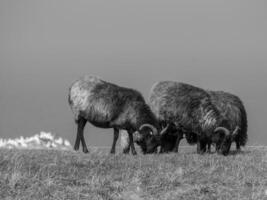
131	142
85	150
238	149
201	147
178	139
79	137
127	149
115	138
217	148
164	149
209	147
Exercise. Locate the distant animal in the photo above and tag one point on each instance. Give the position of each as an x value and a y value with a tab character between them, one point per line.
107	105
189	112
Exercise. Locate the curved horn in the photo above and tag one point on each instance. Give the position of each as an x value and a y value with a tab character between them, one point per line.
225	130
163	131
153	128
235	132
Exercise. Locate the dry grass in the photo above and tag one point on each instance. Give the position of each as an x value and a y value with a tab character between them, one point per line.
49	174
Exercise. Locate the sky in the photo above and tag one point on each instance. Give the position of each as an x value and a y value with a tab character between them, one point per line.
46	45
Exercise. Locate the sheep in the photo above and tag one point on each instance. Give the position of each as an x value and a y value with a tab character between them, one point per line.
106	105
188	110
233	110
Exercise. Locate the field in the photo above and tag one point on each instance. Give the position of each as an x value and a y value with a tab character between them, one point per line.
52	174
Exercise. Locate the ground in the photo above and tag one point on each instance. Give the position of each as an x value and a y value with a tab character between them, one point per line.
52	174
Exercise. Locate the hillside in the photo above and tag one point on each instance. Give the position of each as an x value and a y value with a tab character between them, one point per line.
55	174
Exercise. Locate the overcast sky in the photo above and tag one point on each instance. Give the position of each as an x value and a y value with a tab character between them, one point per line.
46	45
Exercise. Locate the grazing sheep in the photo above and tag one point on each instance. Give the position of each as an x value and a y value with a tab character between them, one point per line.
107	105
189	111
233	110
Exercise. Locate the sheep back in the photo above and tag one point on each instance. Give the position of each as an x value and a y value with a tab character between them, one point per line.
187	106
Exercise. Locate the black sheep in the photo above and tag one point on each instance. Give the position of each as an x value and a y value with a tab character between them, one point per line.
107	105
232	109
188	110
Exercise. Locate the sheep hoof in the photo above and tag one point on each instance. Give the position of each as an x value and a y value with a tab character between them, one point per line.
238	151
201	152
126	151
85	151
175	150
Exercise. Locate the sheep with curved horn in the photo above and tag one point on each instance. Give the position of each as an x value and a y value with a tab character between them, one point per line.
106	105
232	108
191	113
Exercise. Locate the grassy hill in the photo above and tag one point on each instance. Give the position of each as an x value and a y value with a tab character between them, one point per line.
52	174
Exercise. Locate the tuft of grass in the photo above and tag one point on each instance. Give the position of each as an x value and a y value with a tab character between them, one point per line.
52	174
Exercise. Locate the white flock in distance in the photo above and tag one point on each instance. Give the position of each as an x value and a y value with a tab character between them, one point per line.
43	140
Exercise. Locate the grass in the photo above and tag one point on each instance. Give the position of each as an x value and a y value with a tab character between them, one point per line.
51	174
